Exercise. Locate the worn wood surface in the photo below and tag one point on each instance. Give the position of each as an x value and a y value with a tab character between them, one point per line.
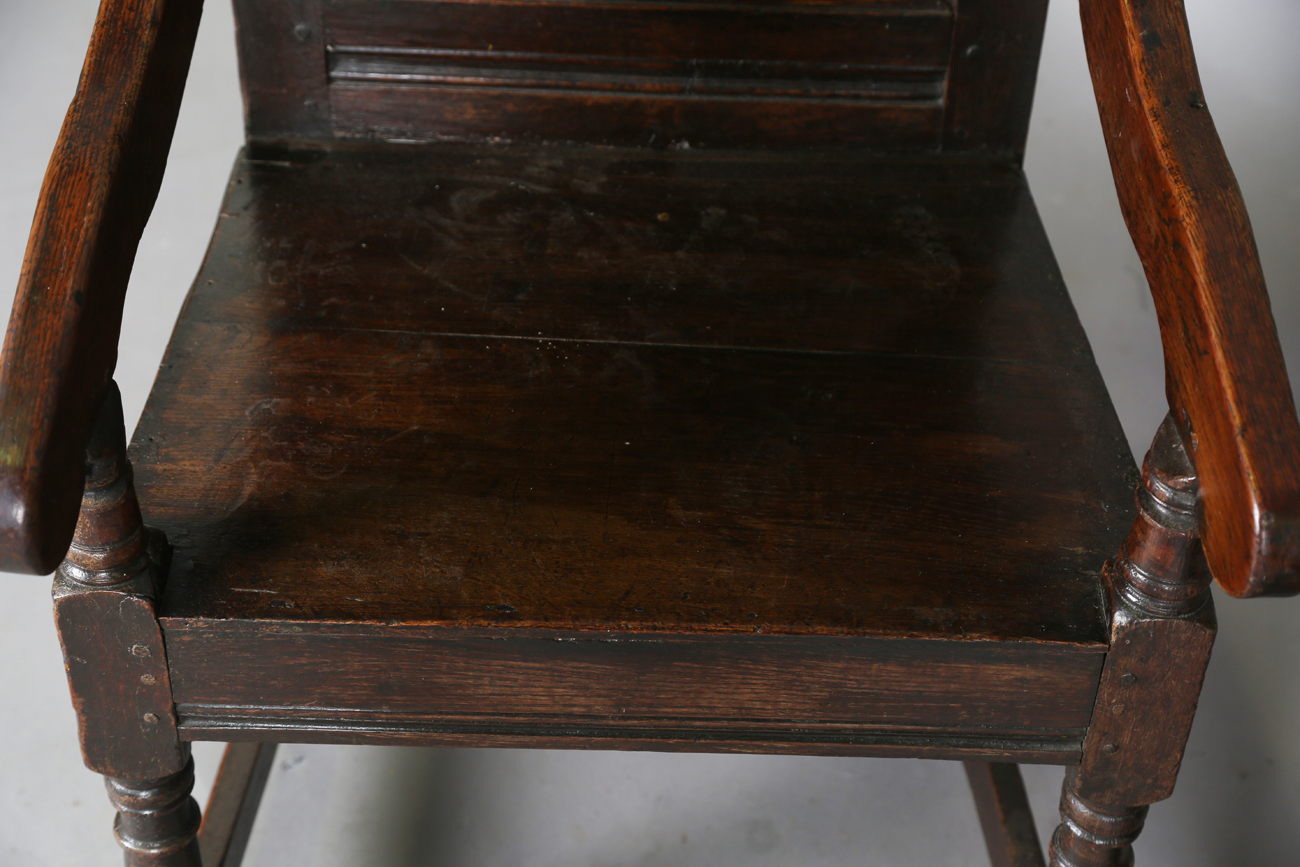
427	410
61	345
364	728
827	252
1148	695
528	733
1162	630
1226	380
586	485
625	689
1005	816
117	673
232	805
587	402
528	115
104	608
478	445
116	660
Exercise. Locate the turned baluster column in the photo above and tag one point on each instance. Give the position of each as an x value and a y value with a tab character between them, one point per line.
157	820
116	662
1162	629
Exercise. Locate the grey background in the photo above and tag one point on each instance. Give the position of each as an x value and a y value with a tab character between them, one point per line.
1239	792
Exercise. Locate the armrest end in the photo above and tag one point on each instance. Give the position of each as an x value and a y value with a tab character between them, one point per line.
34	535
61	346
1226	380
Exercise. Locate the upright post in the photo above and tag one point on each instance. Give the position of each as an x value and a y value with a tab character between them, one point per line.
1162	629
113	651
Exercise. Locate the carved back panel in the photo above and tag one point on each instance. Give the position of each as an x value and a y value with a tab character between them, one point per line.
933	75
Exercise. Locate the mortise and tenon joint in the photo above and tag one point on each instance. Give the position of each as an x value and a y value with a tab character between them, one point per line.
1162	629
116	661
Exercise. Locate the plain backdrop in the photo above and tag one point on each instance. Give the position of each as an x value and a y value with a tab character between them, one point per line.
1237	800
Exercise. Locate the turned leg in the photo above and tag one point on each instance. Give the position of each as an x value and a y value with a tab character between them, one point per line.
116	661
157	821
1162	629
1091	835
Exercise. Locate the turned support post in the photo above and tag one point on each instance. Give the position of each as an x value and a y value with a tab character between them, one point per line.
1162	629
110	545
157	820
116	661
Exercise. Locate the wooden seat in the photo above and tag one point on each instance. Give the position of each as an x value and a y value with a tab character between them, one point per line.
587	395
641	375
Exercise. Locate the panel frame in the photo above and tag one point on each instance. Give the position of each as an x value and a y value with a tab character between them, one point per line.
991	76
985	107
282	69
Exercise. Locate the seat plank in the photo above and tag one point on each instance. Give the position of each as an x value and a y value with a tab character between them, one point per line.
561	395
829	252
333	474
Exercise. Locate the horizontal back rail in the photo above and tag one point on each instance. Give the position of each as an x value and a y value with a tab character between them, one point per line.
925	75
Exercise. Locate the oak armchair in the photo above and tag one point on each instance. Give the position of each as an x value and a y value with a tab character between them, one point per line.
304	490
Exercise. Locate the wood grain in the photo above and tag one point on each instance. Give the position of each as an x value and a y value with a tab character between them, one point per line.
117	673
1145	706
734	249
654	74
637	687
1005	815
546	446
1162	630
232	805
762	80
865	34
916	75
1226	380
104	604
220	724
575	400
111	543
61	345
367	111
321	449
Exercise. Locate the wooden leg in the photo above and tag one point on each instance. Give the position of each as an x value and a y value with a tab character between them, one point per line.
232	807
157	821
116	659
1092	835
1162	629
1004	814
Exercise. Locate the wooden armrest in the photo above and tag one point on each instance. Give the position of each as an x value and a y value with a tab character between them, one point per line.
1225	378
61	346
